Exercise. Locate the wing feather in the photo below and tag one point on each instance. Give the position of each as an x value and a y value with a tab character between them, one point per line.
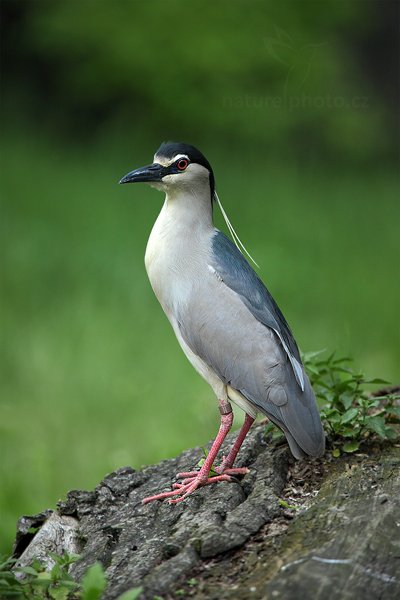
237	336
232	267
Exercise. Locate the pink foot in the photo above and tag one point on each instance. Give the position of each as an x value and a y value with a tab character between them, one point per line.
185	488
191	481
189	475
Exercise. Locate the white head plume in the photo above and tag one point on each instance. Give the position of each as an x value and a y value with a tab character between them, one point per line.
233	233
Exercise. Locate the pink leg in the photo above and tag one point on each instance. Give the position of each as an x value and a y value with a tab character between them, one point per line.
200	478
227	462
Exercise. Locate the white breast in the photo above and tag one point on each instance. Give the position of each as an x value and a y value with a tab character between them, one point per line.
176	255
176	259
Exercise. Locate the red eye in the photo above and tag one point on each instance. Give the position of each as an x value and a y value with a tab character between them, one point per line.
182	164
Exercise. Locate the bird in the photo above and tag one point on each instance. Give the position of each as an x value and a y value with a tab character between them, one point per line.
224	318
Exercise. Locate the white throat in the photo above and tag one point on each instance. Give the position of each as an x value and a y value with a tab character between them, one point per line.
179	244
189	207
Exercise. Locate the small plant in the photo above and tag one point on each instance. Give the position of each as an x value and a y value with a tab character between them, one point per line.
35	583
351	414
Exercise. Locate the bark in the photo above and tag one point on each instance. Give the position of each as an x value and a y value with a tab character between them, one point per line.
239	540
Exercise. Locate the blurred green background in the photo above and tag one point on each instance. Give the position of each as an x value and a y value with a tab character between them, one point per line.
294	104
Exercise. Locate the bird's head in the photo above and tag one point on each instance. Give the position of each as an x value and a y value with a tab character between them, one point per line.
176	166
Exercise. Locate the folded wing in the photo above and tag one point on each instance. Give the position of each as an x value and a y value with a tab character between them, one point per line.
246	340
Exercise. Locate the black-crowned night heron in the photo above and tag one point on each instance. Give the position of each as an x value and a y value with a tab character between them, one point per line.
226	321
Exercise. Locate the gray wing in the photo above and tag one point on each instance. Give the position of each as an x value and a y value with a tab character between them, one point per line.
236	273
247	346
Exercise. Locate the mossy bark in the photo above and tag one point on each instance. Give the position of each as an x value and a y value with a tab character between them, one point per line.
345	545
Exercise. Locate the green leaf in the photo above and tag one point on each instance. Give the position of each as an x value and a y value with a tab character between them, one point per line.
377	425
391	433
131	594
56	572
331	357
375	403
65	559
347	401
27	570
350	446
306	356
350	431
6	562
377	380
344	359
313	370
349	415
94	582
324	385
334	417
67	583
59	593
44	576
336	452
337	369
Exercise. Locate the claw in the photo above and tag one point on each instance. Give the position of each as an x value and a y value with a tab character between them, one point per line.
233	471
191	482
191	487
186	474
